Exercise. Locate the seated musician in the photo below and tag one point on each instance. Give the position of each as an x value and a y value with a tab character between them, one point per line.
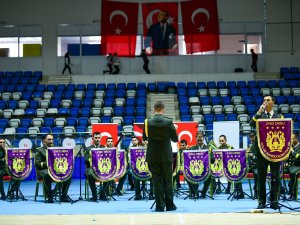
137	182
3	170
294	167
194	187
87	159
238	186
183	146
42	169
130	178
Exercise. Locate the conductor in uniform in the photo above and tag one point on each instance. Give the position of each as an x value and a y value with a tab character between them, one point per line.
266	112
159	131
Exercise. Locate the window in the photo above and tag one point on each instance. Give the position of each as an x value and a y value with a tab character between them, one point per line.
71	44
91	45
30	47
232	44
9	47
254	42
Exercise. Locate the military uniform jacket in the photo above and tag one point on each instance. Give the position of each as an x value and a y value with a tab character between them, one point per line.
2	160
294	159
204	146
159	132
87	154
253	121
40	158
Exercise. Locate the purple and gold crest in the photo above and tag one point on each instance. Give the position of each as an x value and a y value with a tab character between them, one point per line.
274	138
19	163
122	164
138	164
234	164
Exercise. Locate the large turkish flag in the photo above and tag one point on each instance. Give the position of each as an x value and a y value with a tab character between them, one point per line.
106	130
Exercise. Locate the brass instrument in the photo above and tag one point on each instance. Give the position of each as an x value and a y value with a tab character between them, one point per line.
212	146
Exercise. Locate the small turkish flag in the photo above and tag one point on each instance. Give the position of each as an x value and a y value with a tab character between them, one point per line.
106	130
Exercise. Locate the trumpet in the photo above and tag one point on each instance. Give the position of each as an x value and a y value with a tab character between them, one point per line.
212	145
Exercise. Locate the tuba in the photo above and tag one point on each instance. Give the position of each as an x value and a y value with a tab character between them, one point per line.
212	146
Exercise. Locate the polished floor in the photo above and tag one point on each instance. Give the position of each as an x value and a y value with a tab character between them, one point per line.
123	211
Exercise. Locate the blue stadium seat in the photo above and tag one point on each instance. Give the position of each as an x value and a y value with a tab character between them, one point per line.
76	103
272	83
215	100
119	111
72	121
51	87
21	88
126	142
37	95
12	104
254	91
55	103
89	95
234	91
101	86
141	93
289	115
244	91
63	112
26	122
181	85
71	87
251	109
21	132
181	92
4	123
87	103
131	86
208	118
28	73
241	84
129	111
139	119
282	84
3	104
221	84
201	85
58	95
280	100
121	93
57	131
27	95
128	120
110	94
262	84
121	86
258	100
151	87
252	84
106	119
248	100
85	112
231	117
69	95
49	122
211	85
191	84
186	118
220	117
109	102
83	121
292	83
61	87
226	100
141	86
291	99
204	100
41	87
80	87
91	87
30	112
141	102
231	84
192	92
140	111
130	102
46	130
183	100
111	86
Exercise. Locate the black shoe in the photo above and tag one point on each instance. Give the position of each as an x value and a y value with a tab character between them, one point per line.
240	196
178	185
3	197
66	199
103	198
261	206
203	195
151	197
119	192
50	200
131	188
292	198
158	209
172	208
138	197
274	205
93	199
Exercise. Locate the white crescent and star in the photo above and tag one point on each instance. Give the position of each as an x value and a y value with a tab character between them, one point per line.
137	134
105	134
121	13
149	20
185	132
196	12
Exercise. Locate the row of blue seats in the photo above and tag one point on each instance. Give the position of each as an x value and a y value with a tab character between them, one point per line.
292	69
291	76
21	74
246	100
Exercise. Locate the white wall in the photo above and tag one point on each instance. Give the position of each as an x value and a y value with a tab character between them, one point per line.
235	16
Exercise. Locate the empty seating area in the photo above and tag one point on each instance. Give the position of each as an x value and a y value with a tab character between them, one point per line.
290	73
71	108
211	101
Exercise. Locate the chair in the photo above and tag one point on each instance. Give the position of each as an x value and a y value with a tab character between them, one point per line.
139	119
201	85
223	92
192	92
60	122
140	111
66	103
240	109
78	94
89	95
106	119
241	84
109	102
244	91
195	110
101	86
16	96
26	122
208	118
228	109
71	121
185	118
202	92
130	93
63	112
194	101
211	85
128	120
23	104
221	84
213	92
236	100
49	122
251	109
77	103
204	100
119	102
7	113
131	86
265	91
48	95
6	96
107	111
55	103
254	92
219	117
37	122
286	91
275	91
45	130
231	84
129	111
130	102
246	128
217	109
231	117
96	112
33	132
91	87
199	118
98	103
44	104
85	112
74	112
94	119
69	131
276	108
52	112
206	109
252	84
68	95
234	91
87	103
295	108
19	113
117	119
284	108
141	102
243	118
100	94
216	100
83	121
184	110
262	84
14	123
248	100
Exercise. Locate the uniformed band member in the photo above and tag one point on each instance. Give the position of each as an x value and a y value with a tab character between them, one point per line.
200	145
238	186
3	166
294	168
252	161
183	146
42	169
127	173
87	159
137	182
159	132
266	112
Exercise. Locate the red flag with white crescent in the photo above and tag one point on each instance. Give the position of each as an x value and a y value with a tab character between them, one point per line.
187	131
119	21
200	25
106	130
138	129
